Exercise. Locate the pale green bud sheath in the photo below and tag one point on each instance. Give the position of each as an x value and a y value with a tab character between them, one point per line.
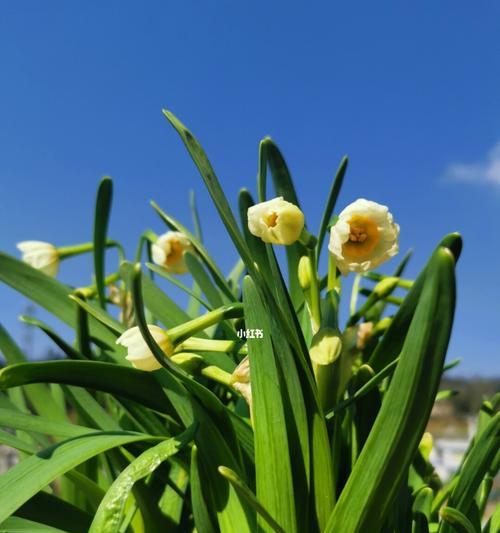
325	351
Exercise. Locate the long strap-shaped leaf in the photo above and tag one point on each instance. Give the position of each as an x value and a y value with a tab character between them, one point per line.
101	220
390	346
283	184
136	385
15	524
330	203
30	476
39	396
272	453
109	515
475	468
394	438
47	292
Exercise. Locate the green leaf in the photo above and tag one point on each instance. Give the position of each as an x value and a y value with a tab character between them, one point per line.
101	221
457	521
160	305
296	366
30	476
272	455
475	468
109	515
48	293
16	420
250	497
136	385
116	327
204	518
283	185
14	524
212	183
391	445
200	249
330	203
54	512
38	395
391	343
256	245
194	292
203	280
61	343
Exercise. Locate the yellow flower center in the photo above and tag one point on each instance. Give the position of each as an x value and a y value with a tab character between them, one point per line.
363	237
271	219
175	253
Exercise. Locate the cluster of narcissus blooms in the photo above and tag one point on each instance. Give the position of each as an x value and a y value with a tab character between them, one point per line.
363	237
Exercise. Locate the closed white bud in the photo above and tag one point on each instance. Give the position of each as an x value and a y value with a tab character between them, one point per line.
40	255
363	237
138	352
168	251
276	221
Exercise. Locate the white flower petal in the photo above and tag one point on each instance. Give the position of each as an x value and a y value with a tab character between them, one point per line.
168	251
364	237
276	221
40	255
138	352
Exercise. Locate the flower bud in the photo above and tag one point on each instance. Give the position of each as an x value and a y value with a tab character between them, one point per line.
40	255
425	445
363	237
241	381
276	221
168	251
305	272
138	352
326	347
363	335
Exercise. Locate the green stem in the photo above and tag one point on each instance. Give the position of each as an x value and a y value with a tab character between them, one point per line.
75	249
308	240
195	344
89	292
314	292
182	332
404	283
217	374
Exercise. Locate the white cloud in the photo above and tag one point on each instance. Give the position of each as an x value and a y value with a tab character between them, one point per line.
487	171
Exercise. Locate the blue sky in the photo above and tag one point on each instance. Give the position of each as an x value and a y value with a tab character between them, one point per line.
409	91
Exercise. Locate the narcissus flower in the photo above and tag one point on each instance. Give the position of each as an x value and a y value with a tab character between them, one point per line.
363	237
40	255
138	352
168	251
276	221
